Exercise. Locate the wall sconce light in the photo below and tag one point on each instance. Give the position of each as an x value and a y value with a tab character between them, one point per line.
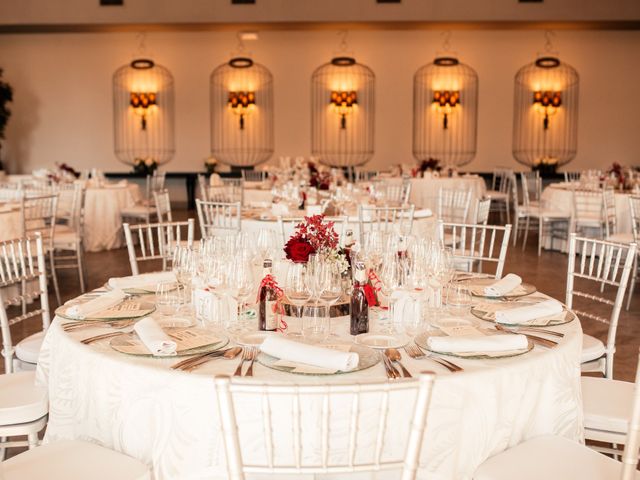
547	104
445	102
344	103
143	103
242	103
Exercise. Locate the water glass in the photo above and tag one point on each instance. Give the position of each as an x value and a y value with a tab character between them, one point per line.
316	323
458	299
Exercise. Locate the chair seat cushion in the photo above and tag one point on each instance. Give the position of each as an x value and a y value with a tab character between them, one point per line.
621	237
551	458
589	221
65	239
607	404
28	349
136	211
20	400
74	460
495	195
592	348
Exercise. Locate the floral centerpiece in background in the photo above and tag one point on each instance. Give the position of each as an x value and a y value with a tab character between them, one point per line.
144	166
545	165
616	173
430	165
210	164
68	171
317	178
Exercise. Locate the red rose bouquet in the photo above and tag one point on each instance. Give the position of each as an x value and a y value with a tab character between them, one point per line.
314	235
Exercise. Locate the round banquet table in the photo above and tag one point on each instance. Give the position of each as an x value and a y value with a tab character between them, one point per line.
424	191
102	221
10	222
169	419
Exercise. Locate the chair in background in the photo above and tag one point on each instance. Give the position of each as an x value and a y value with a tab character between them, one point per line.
216	217
502	184
73	460
531	187
203	187
395	193
598	262
570	177
365	175
588	212
68	238
156	241
634	209
23	278
555	457
350	423
472	245
385	219
254	176
453	205
481	211
38	214
145	211
610	217
162	202
551	223
230	191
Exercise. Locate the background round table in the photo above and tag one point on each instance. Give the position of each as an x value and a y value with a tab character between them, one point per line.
424	191
169	419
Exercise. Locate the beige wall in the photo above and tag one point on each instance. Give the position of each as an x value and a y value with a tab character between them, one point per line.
63	104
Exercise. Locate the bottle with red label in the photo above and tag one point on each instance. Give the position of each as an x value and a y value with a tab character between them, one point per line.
267	303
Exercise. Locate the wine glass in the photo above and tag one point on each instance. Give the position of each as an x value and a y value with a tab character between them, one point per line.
265	244
296	287
391	281
241	285
331	283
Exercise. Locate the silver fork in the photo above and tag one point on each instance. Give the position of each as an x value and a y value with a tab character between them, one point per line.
253	354
414	351
245	357
104	336
72	327
390	369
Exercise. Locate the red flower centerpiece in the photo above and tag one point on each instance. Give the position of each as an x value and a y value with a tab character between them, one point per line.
311	236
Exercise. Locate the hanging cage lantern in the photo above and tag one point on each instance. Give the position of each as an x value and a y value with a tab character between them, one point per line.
143	109
545	128
445	112
342	113
242	120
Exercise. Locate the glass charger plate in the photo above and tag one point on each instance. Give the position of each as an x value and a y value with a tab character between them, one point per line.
383	340
476	287
253	339
144	309
123	343
421	341
566	316
368	357
144	290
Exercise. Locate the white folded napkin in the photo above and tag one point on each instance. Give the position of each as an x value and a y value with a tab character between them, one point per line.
97	305
154	338
529	312
146	281
477	343
503	286
279	209
406	308
280	347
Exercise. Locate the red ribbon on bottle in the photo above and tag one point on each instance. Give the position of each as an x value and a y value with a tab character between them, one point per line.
372	288
278	307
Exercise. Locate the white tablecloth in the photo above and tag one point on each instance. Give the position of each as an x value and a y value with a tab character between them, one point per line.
558	196
10	225
424	191
102	223
169	419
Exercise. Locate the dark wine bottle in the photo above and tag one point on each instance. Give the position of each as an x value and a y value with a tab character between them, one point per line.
359	305
268	297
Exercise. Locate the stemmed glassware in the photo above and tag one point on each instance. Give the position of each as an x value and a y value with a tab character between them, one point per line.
240	286
391	281
265	244
297	288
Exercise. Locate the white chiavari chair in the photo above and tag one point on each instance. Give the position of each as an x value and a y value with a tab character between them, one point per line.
533	187
634	210
365	175
481	211
598	262
218	217
474	245
156	242
453	205
162	202
367	411
385	219
145	211
502	184
555	457
73	460
588	212
203	187
570	177
610	216
68	239
38	214
10	192
551	223
23	406
254	176
395	193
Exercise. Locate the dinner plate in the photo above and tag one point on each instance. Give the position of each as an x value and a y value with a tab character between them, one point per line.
253	339
383	340
476	287
421	341
566	316
367	357
124	343
142	310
